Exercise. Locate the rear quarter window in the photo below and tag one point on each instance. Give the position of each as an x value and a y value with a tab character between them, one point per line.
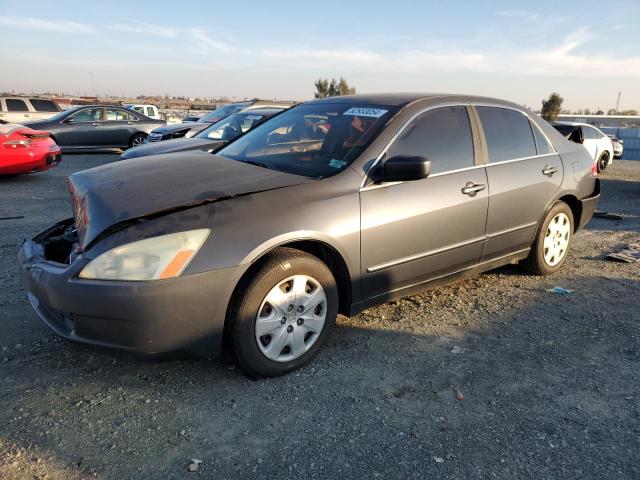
508	134
542	144
41	105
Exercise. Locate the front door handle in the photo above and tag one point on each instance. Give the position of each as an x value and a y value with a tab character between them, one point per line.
95	124
549	170
472	189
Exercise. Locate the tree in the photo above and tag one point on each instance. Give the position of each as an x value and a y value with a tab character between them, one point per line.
551	107
325	89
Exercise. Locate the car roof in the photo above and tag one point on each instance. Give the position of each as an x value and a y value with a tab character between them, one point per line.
261	111
404	99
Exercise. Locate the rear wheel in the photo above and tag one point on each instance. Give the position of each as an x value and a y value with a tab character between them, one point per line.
283	314
603	161
137	139
550	248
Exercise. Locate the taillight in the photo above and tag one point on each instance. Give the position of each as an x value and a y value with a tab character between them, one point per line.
18	143
594	170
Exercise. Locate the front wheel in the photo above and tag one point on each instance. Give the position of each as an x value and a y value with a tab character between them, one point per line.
283	314
550	248
137	139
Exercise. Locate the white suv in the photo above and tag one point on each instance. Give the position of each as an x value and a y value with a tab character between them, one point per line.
150	111
22	109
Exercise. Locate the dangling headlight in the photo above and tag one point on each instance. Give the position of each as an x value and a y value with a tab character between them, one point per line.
151	259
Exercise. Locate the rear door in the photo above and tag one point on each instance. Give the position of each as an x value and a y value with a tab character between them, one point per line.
524	173
117	127
423	229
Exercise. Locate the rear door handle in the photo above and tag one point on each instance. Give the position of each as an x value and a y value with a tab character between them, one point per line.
549	170
95	124
472	189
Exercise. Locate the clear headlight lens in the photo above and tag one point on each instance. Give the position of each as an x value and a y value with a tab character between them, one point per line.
150	259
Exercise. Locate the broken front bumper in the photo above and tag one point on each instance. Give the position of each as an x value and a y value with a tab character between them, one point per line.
184	313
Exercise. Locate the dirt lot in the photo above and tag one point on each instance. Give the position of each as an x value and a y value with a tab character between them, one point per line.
551	383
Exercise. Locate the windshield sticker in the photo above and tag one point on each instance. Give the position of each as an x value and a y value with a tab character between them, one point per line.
366	112
336	163
253	117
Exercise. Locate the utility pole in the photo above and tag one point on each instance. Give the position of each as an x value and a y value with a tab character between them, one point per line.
618	102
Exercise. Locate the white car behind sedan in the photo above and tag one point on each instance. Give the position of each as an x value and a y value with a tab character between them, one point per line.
599	145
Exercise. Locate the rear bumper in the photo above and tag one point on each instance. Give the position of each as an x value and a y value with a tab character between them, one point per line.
184	313
30	162
588	205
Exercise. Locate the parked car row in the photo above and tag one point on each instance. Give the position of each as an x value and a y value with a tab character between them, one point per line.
192	128
211	139
331	206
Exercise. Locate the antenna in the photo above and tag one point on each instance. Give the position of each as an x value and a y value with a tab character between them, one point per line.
618	102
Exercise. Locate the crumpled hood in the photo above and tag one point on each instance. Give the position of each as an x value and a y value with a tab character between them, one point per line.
107	195
168	146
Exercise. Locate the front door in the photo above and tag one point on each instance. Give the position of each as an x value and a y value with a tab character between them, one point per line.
81	129
419	230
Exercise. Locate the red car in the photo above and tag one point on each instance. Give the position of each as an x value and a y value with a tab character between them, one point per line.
23	150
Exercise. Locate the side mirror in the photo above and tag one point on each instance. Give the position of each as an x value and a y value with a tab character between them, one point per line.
403	168
620	142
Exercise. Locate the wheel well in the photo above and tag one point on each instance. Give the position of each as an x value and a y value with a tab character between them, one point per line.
576	209
321	250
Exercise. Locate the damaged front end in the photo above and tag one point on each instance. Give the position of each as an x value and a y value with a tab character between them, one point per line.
59	243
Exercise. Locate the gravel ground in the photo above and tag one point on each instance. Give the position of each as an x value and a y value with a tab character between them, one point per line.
487	378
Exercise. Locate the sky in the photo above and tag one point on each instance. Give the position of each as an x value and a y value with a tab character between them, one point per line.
521	51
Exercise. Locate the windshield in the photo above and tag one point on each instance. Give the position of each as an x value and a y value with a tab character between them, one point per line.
231	127
222	112
314	140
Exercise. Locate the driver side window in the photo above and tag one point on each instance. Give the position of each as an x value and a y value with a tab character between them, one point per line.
442	135
87	115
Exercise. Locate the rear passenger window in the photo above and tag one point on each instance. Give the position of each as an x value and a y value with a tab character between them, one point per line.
508	134
41	105
589	133
542	144
150	112
442	135
16	105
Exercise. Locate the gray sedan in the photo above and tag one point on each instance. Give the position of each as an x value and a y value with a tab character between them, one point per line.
330	207
97	127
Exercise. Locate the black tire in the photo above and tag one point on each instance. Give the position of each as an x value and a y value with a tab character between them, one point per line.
603	161
275	268
535	262
137	139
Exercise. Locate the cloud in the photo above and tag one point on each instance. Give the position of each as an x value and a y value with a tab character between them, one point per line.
62	26
135	26
206	43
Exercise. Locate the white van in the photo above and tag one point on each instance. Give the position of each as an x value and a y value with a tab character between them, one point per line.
150	111
24	109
